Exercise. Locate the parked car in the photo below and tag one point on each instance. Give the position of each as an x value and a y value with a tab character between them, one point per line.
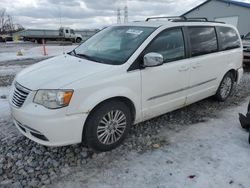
246	49
5	38
123	75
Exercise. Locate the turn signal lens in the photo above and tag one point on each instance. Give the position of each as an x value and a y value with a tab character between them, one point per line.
66	97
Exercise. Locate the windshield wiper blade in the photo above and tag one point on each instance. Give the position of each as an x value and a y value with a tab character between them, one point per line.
74	51
86	57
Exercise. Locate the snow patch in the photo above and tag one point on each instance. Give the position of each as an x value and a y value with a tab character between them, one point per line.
36	52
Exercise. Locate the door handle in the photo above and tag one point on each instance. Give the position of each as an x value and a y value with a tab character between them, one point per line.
197	65
183	68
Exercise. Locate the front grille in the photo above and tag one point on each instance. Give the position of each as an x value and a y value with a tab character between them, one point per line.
19	95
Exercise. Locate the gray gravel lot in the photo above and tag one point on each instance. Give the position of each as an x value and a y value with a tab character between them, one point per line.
24	163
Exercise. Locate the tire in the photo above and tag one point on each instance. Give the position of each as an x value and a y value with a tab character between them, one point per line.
225	88
78	40
102	135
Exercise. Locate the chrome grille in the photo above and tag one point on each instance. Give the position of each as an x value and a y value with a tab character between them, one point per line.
19	95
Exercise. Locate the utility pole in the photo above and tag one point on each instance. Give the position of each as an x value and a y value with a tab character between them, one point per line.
126	14
118	15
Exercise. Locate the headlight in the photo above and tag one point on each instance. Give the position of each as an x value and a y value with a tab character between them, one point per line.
53	98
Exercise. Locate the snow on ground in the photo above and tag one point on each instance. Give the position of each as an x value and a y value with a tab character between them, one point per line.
210	154
4	106
11	70
8	130
35	52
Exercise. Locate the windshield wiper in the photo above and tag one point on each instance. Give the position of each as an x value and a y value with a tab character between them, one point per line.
74	52
86	57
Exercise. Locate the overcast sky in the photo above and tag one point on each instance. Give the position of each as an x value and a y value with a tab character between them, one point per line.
89	13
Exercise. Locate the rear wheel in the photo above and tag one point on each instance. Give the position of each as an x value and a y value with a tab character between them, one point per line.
226	87
107	126
78	40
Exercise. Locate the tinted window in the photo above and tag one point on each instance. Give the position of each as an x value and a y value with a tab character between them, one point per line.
170	44
203	40
229	38
67	31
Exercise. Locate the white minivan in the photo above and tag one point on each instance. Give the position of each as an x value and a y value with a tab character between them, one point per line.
123	75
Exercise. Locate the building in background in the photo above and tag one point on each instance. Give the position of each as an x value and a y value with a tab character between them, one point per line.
230	12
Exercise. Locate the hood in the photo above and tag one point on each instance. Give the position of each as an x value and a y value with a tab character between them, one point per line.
59	71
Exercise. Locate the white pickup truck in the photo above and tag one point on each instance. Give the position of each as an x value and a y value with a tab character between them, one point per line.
62	34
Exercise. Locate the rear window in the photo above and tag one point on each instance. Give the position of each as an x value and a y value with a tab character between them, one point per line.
229	38
203	40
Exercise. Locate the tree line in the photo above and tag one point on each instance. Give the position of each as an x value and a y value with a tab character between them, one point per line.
7	26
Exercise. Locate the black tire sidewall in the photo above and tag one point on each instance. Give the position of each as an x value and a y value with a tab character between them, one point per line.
218	93
90	131
78	40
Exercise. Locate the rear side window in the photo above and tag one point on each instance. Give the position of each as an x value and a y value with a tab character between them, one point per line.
229	38
203	40
169	44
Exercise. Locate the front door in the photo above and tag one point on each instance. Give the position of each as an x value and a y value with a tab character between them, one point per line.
164	87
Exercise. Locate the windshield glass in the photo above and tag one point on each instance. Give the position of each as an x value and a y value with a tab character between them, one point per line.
113	45
247	36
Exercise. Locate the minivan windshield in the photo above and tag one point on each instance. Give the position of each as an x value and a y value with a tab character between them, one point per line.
113	45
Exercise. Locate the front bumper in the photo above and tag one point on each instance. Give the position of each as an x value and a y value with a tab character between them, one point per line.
48	127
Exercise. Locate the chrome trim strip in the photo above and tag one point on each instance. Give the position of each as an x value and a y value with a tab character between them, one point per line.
177	91
19	86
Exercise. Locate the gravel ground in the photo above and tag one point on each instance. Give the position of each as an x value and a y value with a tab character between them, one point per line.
24	163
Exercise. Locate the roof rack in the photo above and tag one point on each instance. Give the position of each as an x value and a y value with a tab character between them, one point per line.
182	19
169	18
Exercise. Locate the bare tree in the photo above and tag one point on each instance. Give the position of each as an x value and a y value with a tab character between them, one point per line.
6	23
2	19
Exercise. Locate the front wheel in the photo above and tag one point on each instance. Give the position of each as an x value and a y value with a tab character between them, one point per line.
226	87
107	126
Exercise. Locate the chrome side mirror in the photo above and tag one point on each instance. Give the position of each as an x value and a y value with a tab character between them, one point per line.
152	59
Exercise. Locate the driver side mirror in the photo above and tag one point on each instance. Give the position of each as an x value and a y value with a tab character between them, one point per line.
152	60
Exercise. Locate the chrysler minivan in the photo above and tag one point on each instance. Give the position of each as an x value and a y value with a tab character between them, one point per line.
123	75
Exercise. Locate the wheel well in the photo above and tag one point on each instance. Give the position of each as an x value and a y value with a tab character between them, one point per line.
235	74
125	100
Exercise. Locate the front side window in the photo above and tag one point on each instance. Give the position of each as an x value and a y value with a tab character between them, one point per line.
113	45
229	38
203	40
169	44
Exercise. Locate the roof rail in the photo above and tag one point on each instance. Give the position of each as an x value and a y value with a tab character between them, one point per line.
169	18
182	19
